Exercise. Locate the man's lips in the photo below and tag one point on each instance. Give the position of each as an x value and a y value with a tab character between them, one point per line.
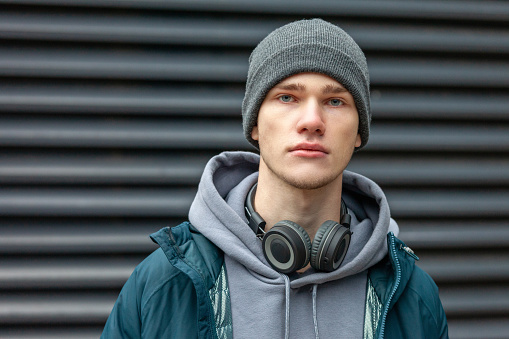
309	148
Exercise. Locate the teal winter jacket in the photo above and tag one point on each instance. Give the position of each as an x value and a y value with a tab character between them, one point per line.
181	291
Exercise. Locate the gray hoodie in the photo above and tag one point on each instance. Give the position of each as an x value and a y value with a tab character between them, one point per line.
268	304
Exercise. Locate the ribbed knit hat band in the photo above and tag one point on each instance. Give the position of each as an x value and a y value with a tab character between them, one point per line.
306	46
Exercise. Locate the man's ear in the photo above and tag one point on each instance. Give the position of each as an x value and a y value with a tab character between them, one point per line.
254	133
358	140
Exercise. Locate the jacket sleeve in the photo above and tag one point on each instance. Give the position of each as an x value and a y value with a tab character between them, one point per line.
124	320
442	321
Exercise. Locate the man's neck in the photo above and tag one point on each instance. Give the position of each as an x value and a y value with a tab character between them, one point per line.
276	200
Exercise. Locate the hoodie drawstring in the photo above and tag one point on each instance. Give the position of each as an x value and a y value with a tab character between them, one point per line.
287	302
315	318
287	308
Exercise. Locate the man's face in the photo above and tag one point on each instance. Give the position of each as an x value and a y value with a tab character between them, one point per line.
307	130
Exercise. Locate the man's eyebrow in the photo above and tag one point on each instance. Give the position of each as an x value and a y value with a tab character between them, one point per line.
328	89
291	87
333	89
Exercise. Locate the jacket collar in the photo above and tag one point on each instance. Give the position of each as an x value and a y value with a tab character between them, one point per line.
190	252
391	275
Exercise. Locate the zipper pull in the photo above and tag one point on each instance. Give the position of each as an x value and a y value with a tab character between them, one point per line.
409	251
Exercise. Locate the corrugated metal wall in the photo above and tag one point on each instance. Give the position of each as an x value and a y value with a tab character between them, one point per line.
110	109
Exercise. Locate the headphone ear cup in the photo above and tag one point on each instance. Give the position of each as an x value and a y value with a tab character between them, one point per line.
318	243
330	246
286	247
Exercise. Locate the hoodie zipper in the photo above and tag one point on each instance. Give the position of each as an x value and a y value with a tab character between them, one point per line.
396	285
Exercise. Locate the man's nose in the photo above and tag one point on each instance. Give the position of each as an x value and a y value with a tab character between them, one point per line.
311	118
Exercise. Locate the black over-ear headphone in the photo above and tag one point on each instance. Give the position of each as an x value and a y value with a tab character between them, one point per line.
287	246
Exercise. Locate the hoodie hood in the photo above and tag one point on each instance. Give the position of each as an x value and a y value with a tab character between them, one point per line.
225	225
218	213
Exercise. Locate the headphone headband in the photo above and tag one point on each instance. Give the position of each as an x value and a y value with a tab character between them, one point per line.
257	223
255	220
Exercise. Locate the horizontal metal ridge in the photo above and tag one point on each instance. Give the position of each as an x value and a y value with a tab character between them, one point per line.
175	202
436	72
133	28
439	137
132	134
475	300
131	170
78	238
477	105
42	332
132	64
140	99
466	268
228	32
453	234
232	67
221	135
65	273
55	308
448	203
107	237
138	170
96	202
477	327
62	307
169	100
437	10
102	273
419	169
77	235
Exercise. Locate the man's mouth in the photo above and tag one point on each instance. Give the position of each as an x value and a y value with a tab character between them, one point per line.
311	150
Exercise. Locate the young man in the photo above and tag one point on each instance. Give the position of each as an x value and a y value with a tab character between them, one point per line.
288	244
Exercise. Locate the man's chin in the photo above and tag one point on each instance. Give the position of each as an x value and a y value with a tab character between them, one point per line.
311	181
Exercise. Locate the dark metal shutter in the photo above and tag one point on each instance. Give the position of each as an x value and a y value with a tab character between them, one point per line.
110	109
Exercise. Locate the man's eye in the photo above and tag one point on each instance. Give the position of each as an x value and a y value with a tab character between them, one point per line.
335	102
285	98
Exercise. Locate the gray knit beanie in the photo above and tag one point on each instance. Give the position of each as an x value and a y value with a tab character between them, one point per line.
306	46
